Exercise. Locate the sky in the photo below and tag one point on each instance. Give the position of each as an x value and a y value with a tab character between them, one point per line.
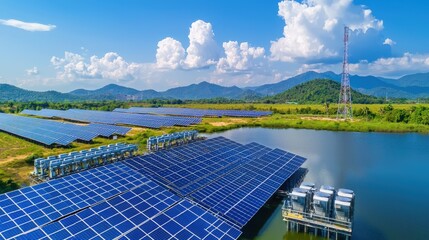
159	44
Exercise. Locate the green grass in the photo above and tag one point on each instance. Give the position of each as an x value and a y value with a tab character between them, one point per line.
285	107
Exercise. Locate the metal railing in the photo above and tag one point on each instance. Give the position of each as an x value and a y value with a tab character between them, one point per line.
316	219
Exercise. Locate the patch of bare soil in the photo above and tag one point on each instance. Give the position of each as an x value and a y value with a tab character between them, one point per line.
326	119
229	122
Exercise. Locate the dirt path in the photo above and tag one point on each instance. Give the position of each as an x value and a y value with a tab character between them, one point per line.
326	119
11	159
230	121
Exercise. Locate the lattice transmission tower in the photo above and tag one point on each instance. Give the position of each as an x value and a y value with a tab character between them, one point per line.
345	100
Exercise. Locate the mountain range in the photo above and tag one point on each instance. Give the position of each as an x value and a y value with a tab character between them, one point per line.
318	91
409	86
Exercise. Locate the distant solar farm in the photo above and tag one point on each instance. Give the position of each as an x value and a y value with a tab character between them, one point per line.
192	112
50	132
104	123
149	121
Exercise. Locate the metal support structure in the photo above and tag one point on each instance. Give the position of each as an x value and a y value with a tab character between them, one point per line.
178	138
345	99
68	163
329	228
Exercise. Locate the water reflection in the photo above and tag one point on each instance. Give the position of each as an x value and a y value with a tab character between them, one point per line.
388	172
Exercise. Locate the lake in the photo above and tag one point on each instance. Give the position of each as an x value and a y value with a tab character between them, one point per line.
388	172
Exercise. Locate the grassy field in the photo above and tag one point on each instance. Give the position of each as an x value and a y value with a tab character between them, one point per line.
286	107
15	151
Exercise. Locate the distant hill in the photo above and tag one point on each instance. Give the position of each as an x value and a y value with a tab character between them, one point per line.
275	88
12	93
318	91
412	80
205	90
111	91
202	90
409	86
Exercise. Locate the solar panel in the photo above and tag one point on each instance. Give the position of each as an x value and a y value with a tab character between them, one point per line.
221	185
193	112
47	132
184	221
109	129
232	180
132	217
114	118
114	217
243	191
30	207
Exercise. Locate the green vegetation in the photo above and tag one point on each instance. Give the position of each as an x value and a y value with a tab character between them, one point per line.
9	185
318	91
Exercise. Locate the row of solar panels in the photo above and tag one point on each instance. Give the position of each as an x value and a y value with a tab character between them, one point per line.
150	121
63	164
51	132
193	112
108	202
228	178
119	201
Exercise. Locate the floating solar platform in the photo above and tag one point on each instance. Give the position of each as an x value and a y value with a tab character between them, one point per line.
203	190
228	178
51	132
194	112
114	118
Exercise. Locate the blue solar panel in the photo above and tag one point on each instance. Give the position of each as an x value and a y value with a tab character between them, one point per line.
230	179
221	186
150	121
109	129
46	131
145	211
193	112
184	221
243	191
26	208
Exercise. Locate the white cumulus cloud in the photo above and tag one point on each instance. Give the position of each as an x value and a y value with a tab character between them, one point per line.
170	54
239	57
393	66
202	50
32	71
111	66
27	26
389	41
314	28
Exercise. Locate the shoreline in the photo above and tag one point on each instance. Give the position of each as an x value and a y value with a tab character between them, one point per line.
286	122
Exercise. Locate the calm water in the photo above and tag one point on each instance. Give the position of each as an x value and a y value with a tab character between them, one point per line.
388	172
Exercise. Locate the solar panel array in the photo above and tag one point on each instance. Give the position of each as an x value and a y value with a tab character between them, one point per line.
150	121
193	112
123	204
31	207
228	178
219	186
51	132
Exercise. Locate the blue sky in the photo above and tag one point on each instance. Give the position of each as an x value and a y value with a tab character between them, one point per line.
64	45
